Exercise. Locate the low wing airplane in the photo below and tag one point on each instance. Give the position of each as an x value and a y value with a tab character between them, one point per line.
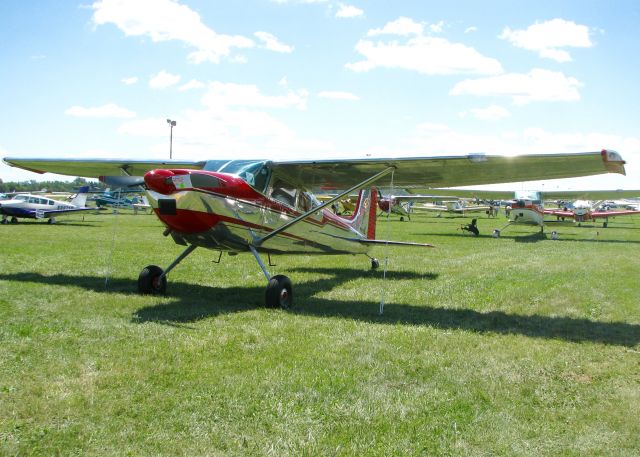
586	210
458	206
262	206
403	205
40	207
527	207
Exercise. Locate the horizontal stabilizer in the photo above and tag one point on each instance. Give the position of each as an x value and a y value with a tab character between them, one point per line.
395	243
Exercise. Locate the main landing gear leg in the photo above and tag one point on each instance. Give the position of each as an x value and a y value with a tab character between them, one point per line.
153	280
279	293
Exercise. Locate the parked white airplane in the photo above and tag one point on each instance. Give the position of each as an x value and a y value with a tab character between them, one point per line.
459	206
40	207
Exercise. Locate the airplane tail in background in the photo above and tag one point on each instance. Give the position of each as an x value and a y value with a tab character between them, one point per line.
80	200
364	218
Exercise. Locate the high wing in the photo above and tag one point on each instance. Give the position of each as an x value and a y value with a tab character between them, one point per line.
409	172
96	168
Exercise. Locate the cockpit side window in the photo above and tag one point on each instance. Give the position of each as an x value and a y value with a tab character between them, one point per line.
284	192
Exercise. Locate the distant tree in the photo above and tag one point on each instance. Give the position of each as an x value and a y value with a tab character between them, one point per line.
50	186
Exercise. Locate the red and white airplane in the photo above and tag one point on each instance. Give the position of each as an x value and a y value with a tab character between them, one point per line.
266	207
586	210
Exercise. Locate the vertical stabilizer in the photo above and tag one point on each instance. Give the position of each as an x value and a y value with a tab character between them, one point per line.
364	220
80	200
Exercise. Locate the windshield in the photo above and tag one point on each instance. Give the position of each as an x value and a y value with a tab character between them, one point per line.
253	172
534	196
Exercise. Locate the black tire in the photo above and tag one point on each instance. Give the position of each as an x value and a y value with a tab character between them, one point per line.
279	292
375	264
150	281
14	220
5	221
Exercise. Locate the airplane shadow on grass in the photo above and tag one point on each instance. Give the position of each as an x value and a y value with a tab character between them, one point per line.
194	302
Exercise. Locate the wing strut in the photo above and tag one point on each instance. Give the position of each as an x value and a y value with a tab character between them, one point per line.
358	186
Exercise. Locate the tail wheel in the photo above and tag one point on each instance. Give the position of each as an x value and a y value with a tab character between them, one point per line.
375	264
279	292
151	281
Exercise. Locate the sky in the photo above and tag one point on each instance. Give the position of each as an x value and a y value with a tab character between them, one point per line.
278	79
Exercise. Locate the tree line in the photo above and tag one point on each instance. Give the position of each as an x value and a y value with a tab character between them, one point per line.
48	186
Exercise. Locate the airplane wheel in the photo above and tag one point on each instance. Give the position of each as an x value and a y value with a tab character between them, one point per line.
5	221
14	220
150	281
374	264
279	292
605	224
401	218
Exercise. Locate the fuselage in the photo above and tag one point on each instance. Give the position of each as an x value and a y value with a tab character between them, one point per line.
27	205
222	211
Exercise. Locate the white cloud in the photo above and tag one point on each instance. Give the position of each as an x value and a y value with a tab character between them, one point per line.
348	11
248	95
471	29
424	54
336	95
165	20
402	26
271	43
163	80
129	81
547	38
437	27
110	110
233	121
490	113
193	84
537	85
283	82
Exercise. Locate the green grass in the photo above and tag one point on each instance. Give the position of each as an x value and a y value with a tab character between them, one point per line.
514	346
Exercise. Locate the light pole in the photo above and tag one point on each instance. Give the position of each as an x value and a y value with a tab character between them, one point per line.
172	124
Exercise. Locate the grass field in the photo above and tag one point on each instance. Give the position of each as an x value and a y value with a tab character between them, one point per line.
518	346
